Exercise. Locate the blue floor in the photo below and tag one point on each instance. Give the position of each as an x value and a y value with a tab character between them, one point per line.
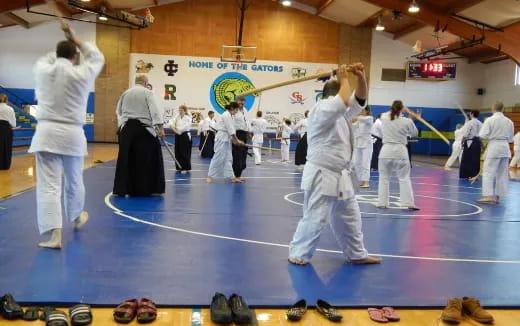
199	239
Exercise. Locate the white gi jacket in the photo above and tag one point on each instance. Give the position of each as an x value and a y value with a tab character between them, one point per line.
458	136
240	120
329	136
377	128
208	124
286	131
225	127
471	129
7	114
181	125
258	127
363	131
499	131
301	127
395	136
516	141
62	91
138	102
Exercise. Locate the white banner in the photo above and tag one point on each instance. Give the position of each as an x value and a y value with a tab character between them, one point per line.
205	84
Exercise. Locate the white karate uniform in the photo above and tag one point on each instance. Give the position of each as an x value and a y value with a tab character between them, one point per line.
377	128
471	129
59	142
258	127
7	114
363	147
456	148
328	188
394	158
221	165
138	102
285	143
240	121
181	124
515	162
499	131
301	127
207	125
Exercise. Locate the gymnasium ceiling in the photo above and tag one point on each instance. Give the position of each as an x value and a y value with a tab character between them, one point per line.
434	25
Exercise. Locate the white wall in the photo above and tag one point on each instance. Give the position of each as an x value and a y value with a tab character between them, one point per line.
21	48
387	53
500	84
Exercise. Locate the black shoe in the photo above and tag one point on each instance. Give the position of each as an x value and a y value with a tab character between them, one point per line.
9	309
241	312
296	312
220	310
328	311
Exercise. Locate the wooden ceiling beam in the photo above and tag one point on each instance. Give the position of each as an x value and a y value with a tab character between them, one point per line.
463	5
11	5
324	4
508	41
369	22
484	57
496	59
18	20
409	29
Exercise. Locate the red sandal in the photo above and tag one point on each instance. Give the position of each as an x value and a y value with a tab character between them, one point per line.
126	311
147	312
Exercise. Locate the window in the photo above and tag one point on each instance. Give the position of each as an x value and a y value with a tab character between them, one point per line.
517	76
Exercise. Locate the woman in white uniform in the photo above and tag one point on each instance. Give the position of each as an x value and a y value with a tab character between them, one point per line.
363	146
394	156
515	162
456	149
221	165
286	140
258	127
181	125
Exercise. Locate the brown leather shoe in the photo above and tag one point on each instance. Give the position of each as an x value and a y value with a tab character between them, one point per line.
473	309
453	311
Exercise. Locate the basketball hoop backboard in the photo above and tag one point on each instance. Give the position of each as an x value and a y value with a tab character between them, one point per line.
238	54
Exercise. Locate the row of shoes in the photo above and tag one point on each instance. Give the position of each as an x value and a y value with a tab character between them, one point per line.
457	308
296	312
235	310
80	315
144	310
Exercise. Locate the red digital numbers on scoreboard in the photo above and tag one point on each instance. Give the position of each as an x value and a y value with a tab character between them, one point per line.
432	70
433	67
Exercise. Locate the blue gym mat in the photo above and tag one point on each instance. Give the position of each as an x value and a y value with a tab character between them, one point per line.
199	239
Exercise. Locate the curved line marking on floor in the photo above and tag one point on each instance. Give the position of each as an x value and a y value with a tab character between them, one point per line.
478	211
272	244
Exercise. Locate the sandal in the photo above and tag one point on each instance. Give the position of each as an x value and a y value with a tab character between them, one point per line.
9	309
126	311
377	315
328	311
80	315
296	312
390	314
31	314
56	318
147	312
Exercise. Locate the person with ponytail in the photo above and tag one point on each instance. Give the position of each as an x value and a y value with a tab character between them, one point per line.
393	157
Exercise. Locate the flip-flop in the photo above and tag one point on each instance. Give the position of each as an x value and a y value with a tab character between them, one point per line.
390	314
126	311
147	311
31	314
56	318
296	312
80	315
377	315
328	311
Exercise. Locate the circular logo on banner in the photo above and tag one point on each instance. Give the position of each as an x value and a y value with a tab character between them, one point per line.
226	87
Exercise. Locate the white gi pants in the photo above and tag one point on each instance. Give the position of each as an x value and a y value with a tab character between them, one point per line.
285	145
344	218
401	167
362	158
495	176
221	165
515	162
49	170
258	153
456	153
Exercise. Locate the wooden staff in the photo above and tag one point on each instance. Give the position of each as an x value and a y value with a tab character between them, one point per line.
171	154
204	145
427	124
463	112
293	81
261	147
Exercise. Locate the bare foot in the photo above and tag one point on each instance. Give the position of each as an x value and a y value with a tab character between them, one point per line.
81	220
447	168
364	184
242	179
297	261
209	180
235	180
366	261
54	242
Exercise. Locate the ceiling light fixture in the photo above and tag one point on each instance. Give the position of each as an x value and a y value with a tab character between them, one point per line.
286	3
414	7
102	17
379	26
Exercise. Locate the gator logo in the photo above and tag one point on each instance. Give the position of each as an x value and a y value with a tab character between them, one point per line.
226	87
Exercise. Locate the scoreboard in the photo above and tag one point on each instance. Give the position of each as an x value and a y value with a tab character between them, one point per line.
431	70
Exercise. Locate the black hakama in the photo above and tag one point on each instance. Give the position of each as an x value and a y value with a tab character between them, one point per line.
208	150
239	154
6	145
140	166
470	163
300	157
376	149
183	146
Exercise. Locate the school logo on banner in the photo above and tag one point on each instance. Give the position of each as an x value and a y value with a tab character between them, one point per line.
169	92
298	72
142	67
226	87
171	68
297	98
